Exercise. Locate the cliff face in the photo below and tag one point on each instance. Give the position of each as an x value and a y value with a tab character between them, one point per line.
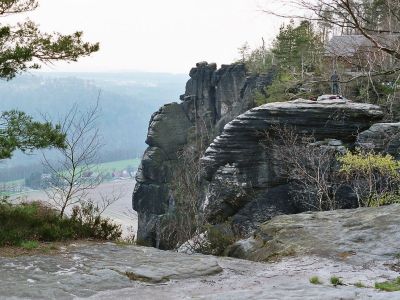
212	98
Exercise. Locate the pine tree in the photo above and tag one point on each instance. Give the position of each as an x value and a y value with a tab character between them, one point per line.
23	47
297	47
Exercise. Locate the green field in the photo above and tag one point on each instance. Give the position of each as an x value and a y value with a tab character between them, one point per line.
102	168
117	165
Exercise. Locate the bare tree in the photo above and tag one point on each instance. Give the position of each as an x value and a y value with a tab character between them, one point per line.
244	51
366	39
309	165
74	174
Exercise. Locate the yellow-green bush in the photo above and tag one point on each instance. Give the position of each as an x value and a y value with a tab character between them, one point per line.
374	177
369	163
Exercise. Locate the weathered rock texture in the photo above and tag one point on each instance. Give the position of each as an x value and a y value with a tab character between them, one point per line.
382	137
363	236
244	177
243	182
359	246
212	98
84	269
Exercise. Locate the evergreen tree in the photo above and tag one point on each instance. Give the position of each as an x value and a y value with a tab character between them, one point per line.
297	47
283	47
19	131
23	47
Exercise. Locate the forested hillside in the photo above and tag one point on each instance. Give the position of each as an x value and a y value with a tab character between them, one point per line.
126	101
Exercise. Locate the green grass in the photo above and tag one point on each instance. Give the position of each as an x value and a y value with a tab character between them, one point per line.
112	166
388	286
359	285
29	245
117	165
315	280
336	281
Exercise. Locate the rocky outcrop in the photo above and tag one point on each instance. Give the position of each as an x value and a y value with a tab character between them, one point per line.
381	137
245	184
359	246
212	98
361	236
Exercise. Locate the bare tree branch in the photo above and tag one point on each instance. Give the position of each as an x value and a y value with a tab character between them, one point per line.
74	174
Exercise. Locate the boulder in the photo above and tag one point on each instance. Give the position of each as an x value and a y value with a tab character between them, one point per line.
361	236
381	137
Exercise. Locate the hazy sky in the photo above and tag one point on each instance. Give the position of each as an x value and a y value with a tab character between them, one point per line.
158	35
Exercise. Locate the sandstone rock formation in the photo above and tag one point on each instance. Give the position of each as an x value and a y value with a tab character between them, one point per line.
244	177
242	181
382	137
212	98
360	236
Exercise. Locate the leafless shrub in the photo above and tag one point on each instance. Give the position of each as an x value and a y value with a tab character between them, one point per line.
309	165
73	174
366	48
185	218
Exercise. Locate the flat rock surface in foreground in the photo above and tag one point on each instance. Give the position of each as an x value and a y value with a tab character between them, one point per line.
85	269
359	246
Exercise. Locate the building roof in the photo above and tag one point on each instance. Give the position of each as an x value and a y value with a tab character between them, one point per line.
349	45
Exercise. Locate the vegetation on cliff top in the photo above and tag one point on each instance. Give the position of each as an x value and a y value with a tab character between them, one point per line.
358	39
28	223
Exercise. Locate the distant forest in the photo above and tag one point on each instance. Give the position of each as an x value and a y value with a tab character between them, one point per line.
127	101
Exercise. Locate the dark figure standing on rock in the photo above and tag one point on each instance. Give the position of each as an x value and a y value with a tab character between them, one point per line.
335	83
